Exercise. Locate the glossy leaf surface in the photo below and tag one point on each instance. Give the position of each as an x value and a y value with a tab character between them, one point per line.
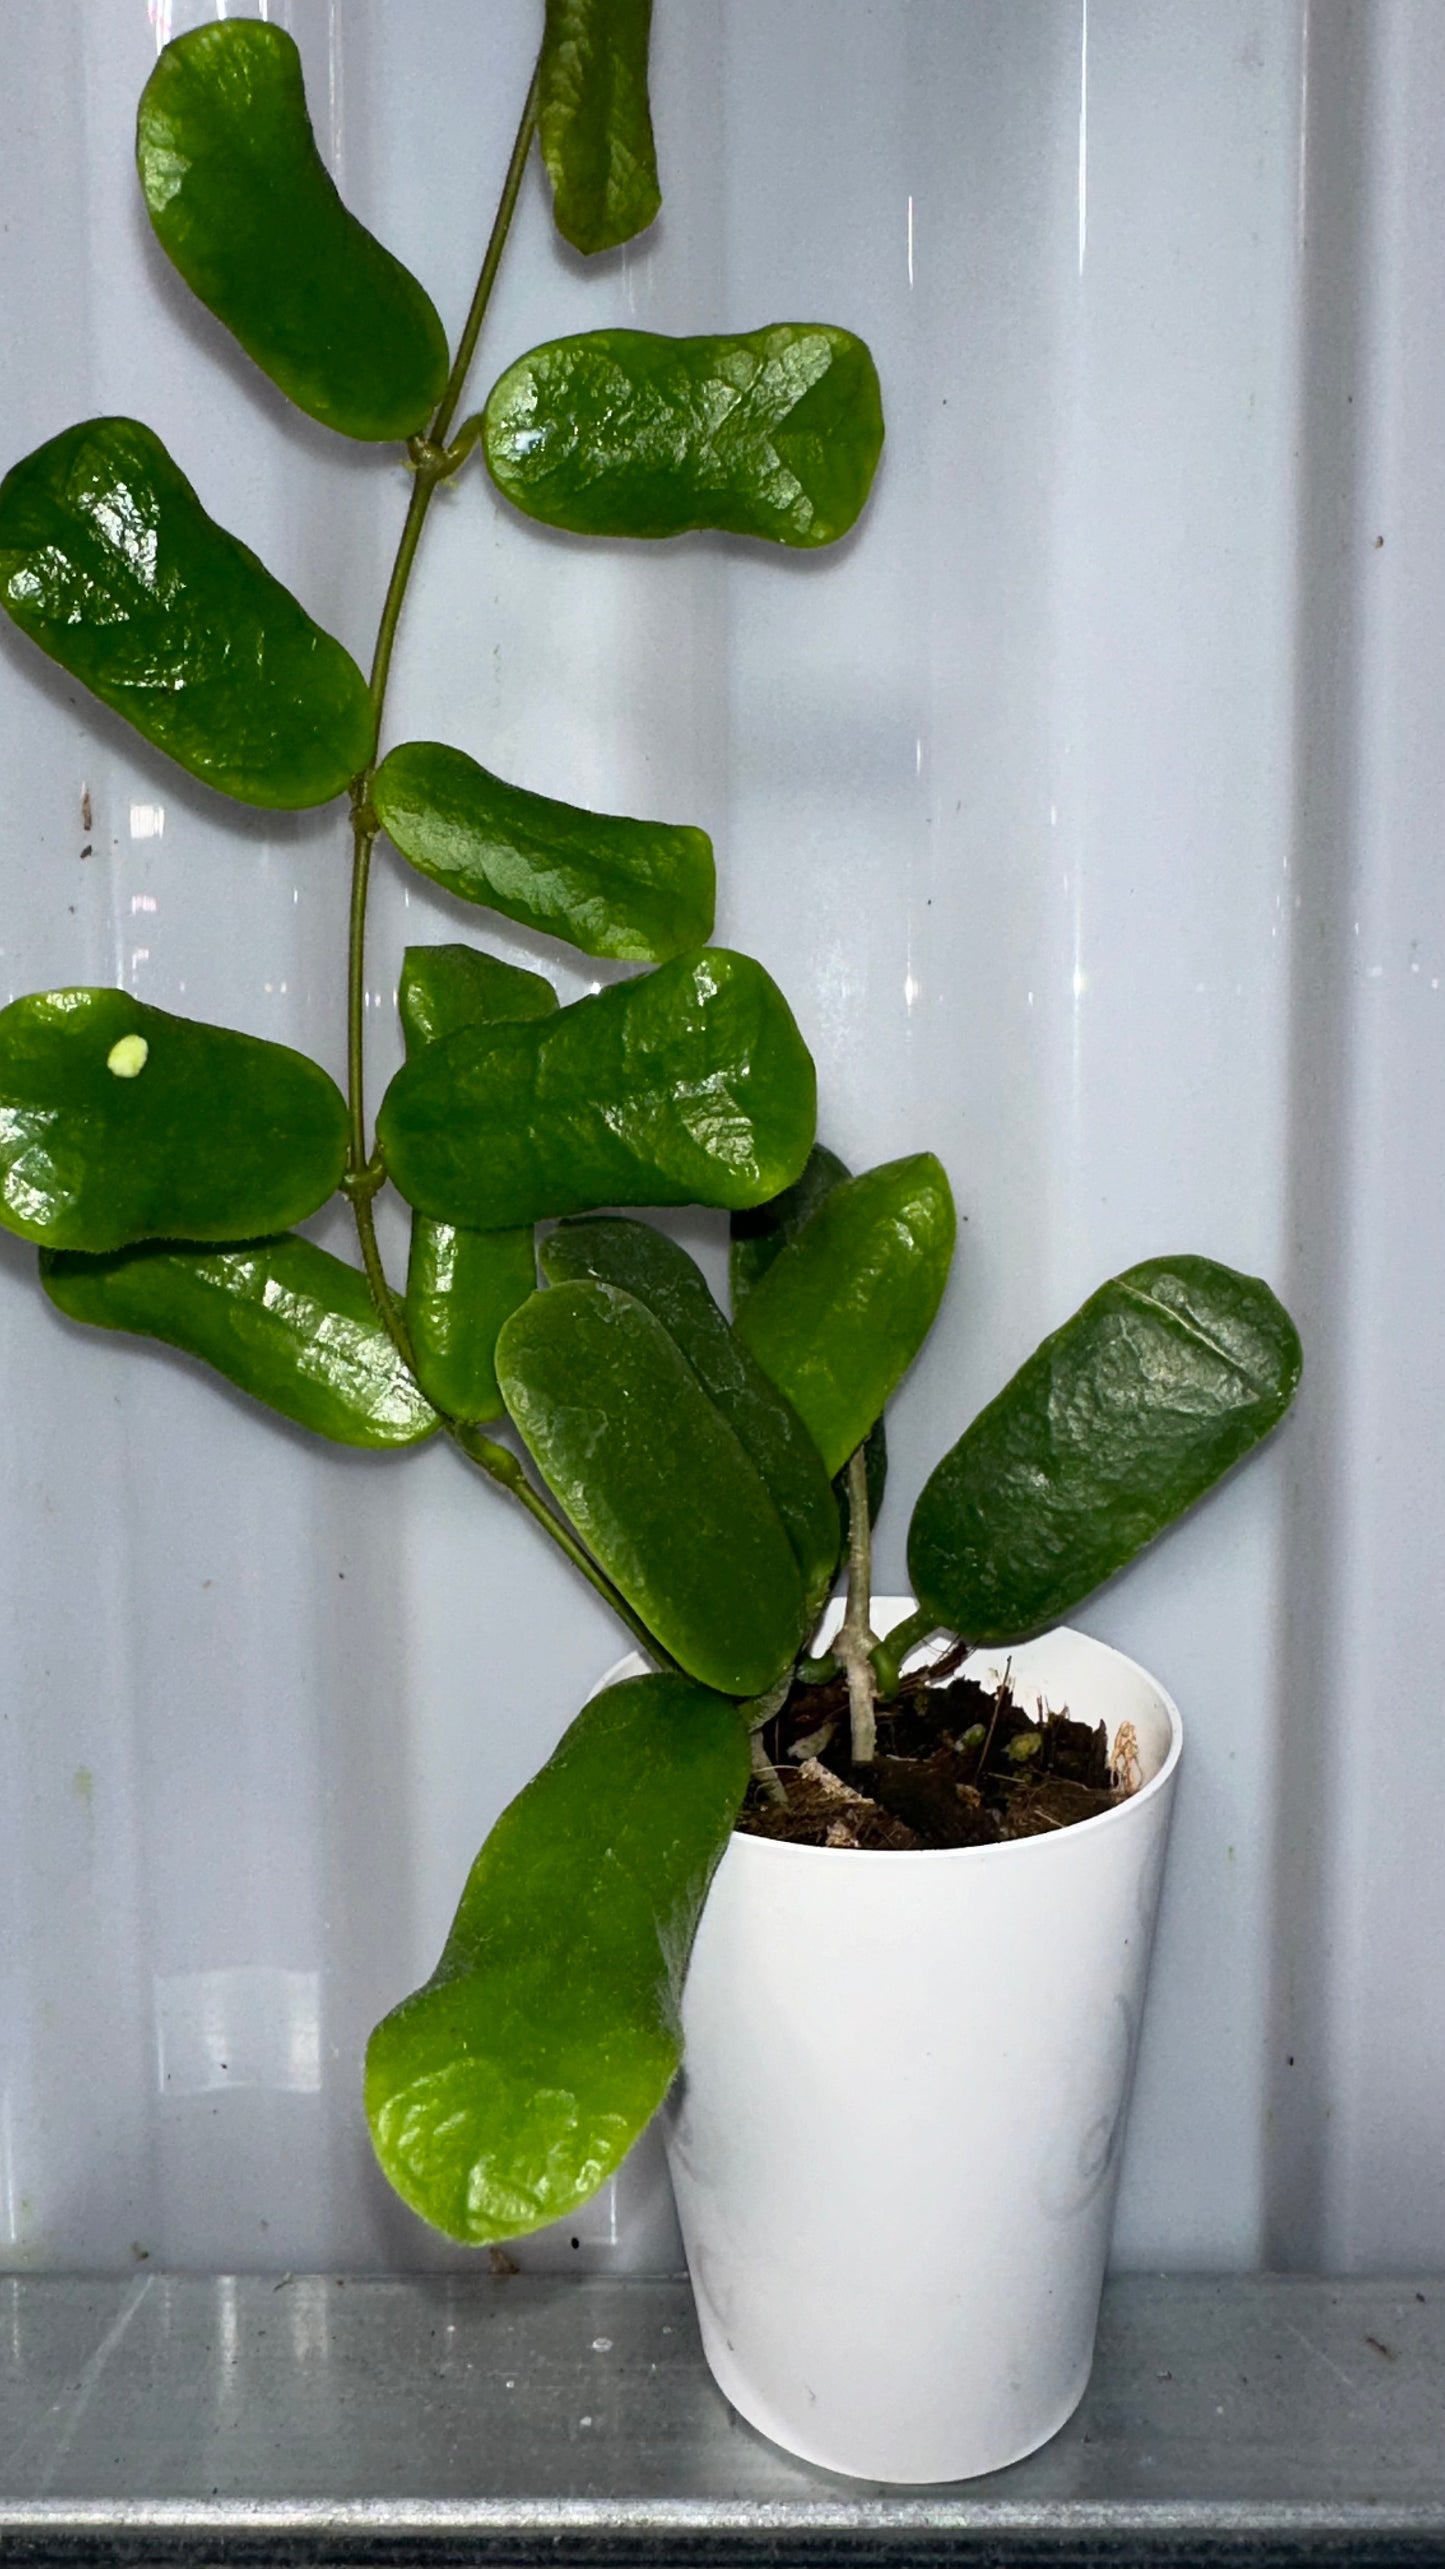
655	1481
758	1236
1119	1421
507	2089
690	1085
637	891
243	204
119	1122
461	1285
281	1319
652	1268
594	120
109	562
776	433
443	988
842	1312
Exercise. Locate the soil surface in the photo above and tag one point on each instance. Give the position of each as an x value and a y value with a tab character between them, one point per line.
956	1766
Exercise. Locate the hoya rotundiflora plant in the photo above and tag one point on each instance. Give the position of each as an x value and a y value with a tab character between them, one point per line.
704	1471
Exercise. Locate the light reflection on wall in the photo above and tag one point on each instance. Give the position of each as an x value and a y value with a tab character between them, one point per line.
255	2025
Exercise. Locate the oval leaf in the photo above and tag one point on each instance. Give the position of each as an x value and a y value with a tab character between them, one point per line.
758	1236
639	891
119	1122
1122	1419
655	1481
243	205
461	1285
444	988
655	1271
775	434
507	2089
281	1319
841	1314
109	562
594	120
691	1085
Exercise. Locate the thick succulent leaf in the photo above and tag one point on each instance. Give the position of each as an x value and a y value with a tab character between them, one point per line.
1122	1419
507	2089
119	1122
242	203
776	433
109	562
656	1482
281	1319
461	1285
759	1235
652	1268
594	120
690	1085
842	1312
637	891
443	988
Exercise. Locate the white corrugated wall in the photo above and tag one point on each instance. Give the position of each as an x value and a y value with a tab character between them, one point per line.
1090	805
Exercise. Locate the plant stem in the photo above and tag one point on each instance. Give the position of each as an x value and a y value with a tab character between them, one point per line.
891	1652
856	1638
432	463
502	1466
429	454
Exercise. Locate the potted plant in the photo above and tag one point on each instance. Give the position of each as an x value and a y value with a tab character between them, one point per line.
702	1473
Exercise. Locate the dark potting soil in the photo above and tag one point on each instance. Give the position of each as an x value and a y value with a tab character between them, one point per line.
957	1765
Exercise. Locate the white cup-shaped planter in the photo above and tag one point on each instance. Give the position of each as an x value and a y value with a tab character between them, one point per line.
896	2136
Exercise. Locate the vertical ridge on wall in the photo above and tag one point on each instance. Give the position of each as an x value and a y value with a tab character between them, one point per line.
1360	1890
1337	74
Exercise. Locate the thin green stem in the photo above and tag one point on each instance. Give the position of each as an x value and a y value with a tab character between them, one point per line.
431	466
502	1466
432	463
506	207
891	1652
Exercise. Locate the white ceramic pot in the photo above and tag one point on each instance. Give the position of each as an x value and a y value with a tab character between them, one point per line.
896	2136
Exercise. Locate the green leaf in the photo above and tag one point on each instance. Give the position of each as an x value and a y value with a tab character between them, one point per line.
109	562
690	1085
119	1122
461	1285
444	988
281	1319
638	891
242	203
655	1481
776	433
655	1271
594	120
507	2089
842	1312
759	1235
1119	1421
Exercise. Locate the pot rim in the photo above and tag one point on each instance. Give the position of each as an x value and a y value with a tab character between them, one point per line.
774	1850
